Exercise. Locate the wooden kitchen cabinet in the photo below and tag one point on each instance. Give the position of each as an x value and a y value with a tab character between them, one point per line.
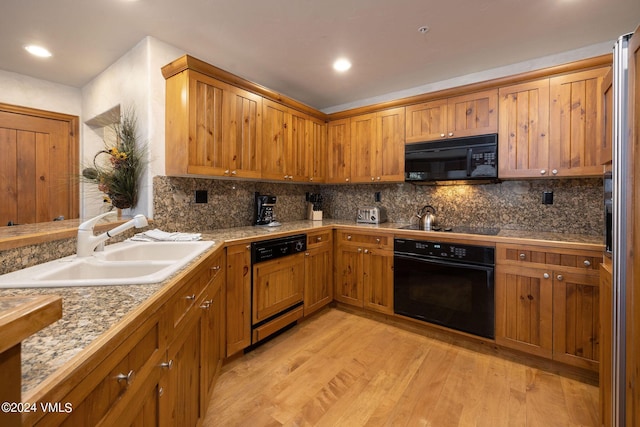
339	151
523	133
364	270
547	302
318	271
575	128
286	143
238	298
552	127
455	117
606	342
606	141
317	132
212	128
377	146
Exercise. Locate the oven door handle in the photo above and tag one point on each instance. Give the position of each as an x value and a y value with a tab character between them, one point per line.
447	263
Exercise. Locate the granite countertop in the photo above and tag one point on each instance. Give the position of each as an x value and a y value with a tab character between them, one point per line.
89	312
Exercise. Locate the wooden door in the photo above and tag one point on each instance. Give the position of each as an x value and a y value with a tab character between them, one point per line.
38	165
378	280
472	114
391	134
576	324
366	152
277	284
349	275
426	121
575	123
338	151
238	298
298	155
276	140
606	140
212	335
317	133
242	132
606	342
524	309
523	132
318	290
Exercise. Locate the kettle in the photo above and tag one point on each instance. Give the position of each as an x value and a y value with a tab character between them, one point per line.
427	216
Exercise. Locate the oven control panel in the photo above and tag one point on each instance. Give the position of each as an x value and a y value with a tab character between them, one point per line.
277	248
446	250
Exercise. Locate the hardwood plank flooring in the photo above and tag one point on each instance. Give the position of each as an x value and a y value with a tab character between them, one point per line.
341	369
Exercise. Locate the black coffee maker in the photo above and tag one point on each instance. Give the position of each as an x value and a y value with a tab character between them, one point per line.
264	214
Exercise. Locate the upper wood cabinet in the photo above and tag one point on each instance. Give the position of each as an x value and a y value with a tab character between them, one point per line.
339	151
606	142
575	128
376	147
212	128
551	127
465	115
523	135
317	132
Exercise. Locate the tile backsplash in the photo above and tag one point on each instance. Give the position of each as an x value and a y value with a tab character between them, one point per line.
515	205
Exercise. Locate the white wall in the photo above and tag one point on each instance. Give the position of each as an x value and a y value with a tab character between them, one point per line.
26	91
133	81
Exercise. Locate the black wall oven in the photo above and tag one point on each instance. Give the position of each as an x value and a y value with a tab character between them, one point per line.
446	284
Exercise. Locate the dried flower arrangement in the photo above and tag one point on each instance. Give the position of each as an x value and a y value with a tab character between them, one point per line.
118	175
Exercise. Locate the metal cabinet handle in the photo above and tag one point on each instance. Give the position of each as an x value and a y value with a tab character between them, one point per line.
359	250
234	172
215	268
346	179
190	297
366	251
587	263
543	172
560	277
373	179
450	134
546	275
523	256
128	378
307	254
349	237
377	178
167	365
206	305
555	171
442	135
319	239
378	240
227	172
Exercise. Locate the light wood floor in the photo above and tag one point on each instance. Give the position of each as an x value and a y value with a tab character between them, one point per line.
340	369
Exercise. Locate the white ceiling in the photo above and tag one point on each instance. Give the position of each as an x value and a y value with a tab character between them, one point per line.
289	45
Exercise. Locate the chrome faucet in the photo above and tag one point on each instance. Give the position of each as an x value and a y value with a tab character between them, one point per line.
88	242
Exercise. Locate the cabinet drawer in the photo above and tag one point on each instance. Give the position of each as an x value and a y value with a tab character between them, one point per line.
216	266
185	299
370	239
319	238
529	255
111	387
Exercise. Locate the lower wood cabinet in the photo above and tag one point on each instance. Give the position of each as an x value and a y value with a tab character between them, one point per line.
318	271
238	298
547	303
364	271
606	329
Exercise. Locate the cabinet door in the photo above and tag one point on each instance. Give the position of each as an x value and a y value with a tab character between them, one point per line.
348	280
606	141
277	284
276	141
185	376
318	274
576	316
426	121
238	298
366	152
338	151
606	333
523	133
524	309
390	132
212	335
299	149
378	280
472	114
242	132
317	133
575	123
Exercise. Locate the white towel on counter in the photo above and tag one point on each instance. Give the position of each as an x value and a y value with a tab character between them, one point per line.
157	235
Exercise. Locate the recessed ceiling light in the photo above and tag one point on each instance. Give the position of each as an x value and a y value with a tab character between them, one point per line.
423	30
342	65
38	51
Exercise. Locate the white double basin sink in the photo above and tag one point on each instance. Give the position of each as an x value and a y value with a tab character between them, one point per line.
126	263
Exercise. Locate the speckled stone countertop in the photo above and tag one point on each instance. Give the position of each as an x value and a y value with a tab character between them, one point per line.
88	312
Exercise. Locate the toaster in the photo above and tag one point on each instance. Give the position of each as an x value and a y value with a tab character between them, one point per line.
371	215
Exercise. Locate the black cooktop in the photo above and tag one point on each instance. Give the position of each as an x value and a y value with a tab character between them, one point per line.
458	229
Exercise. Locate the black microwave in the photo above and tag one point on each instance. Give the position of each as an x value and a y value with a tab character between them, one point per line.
469	158
608	212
